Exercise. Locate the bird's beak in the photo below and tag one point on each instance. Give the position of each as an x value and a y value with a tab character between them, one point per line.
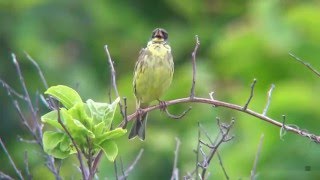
158	34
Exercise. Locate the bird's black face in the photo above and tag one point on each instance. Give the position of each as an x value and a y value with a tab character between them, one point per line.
160	34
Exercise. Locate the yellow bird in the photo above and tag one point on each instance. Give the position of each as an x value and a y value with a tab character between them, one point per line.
152	76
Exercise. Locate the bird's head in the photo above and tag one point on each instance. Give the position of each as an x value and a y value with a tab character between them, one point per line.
159	35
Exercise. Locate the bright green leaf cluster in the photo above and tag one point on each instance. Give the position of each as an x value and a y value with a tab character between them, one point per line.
88	123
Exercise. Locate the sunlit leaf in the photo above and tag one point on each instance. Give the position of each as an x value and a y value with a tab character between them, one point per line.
76	128
110	135
102	111
66	95
110	149
51	118
57	144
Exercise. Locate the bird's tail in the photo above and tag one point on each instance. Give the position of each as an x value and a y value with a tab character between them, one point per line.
139	127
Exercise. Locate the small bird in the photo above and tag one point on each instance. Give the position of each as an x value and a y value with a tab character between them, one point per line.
152	77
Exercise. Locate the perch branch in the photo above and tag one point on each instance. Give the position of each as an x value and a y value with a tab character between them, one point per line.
218	103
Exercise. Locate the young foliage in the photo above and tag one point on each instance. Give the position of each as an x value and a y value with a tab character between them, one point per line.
88	124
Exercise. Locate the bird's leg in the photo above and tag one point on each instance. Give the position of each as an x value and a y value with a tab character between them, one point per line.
139	113
163	105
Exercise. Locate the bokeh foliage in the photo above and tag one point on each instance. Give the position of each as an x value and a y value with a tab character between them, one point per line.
240	41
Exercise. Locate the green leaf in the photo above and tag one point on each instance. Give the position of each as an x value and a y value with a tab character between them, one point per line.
76	128
110	135
102	111
57	144
66	95
51	118
110	149
78	112
99	128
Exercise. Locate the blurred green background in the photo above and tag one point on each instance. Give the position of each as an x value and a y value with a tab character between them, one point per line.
240	40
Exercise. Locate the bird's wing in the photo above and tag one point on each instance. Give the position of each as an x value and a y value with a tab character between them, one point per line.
138	67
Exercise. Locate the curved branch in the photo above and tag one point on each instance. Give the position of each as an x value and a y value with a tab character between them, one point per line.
218	103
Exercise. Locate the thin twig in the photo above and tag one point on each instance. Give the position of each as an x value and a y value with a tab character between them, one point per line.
10	159
131	167
41	75
194	66
254	168
74	144
222	167
89	158
26	163
122	169
10	90
125	112
177	116
24	87
96	162
25	122
115	169
283	129
225	129
308	65
197	152
113	77
5	176
268	100
19	138
175	171
43	79
251	95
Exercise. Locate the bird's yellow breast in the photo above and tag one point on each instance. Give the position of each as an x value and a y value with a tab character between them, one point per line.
153	74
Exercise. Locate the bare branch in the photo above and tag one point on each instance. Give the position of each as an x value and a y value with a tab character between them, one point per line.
251	94
43	79
115	169
26	163
224	131
283	129
194	66
131	167
253	171
222	167
28	99
269	100
218	103
125	112
5	176
175	171
177	116
197	152
96	162
122	169
113	78
308	65
10	159
10	90
74	144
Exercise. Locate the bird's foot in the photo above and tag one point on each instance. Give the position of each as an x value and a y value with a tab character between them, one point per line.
162	105
140	113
